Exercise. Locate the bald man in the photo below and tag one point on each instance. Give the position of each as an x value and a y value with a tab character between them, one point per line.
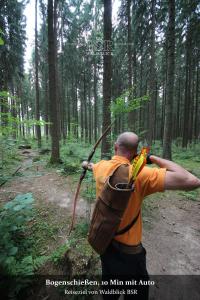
125	258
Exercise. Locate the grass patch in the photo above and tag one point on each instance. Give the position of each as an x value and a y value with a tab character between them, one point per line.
49	223
191	195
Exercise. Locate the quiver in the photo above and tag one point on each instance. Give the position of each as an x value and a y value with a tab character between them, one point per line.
109	208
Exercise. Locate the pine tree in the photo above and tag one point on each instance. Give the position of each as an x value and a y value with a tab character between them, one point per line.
107	74
55	151
167	139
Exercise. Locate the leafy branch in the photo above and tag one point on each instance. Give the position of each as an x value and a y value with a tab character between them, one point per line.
124	103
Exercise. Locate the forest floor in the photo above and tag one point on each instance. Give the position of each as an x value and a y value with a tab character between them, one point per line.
171	219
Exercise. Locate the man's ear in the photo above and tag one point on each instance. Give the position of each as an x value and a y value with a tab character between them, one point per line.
115	147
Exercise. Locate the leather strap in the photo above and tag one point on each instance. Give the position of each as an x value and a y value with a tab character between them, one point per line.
126	228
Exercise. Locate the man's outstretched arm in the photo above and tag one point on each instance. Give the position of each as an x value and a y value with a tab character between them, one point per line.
177	178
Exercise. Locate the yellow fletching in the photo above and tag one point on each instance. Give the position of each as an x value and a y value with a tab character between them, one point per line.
137	166
139	162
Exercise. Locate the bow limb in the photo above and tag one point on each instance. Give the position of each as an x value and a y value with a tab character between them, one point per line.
83	175
75	199
98	141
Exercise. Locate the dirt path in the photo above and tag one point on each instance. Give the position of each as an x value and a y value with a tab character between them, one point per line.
46	185
172	242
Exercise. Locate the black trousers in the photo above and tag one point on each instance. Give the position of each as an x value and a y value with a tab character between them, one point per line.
125	273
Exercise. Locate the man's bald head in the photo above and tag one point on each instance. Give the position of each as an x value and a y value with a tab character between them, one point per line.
126	145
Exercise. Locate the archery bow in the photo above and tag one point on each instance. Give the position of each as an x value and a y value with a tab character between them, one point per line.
84	173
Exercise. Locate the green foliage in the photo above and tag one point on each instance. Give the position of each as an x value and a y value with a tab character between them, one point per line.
1	40
77	152
192	152
81	229
13	122
58	255
123	104
89	192
80	232
156	148
73	154
4	94
15	243
78	242
71	168
10	126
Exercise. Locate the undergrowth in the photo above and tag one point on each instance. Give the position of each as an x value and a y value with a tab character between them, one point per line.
16	257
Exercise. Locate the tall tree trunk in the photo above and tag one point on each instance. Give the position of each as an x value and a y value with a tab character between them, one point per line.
134	73
62	85
177	130
192	82
68	111
95	86
57	78
55	152
76	109
162	113
164	84
196	120
82	115
37	105
141	110
28	131
90	116
107	74
85	107
22	111
152	85
95	101
129	52
46	114
4	107
170	81
187	98
13	111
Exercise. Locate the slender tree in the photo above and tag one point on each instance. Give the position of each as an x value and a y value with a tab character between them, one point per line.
55	152
152	85
129	52
107	74
167	139
37	105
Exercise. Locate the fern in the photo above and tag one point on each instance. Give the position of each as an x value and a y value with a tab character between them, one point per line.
59	253
39	261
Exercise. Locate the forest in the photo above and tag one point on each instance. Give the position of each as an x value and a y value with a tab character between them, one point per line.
95	64
152	50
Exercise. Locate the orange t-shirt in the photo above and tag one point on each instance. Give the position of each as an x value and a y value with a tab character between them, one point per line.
149	181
